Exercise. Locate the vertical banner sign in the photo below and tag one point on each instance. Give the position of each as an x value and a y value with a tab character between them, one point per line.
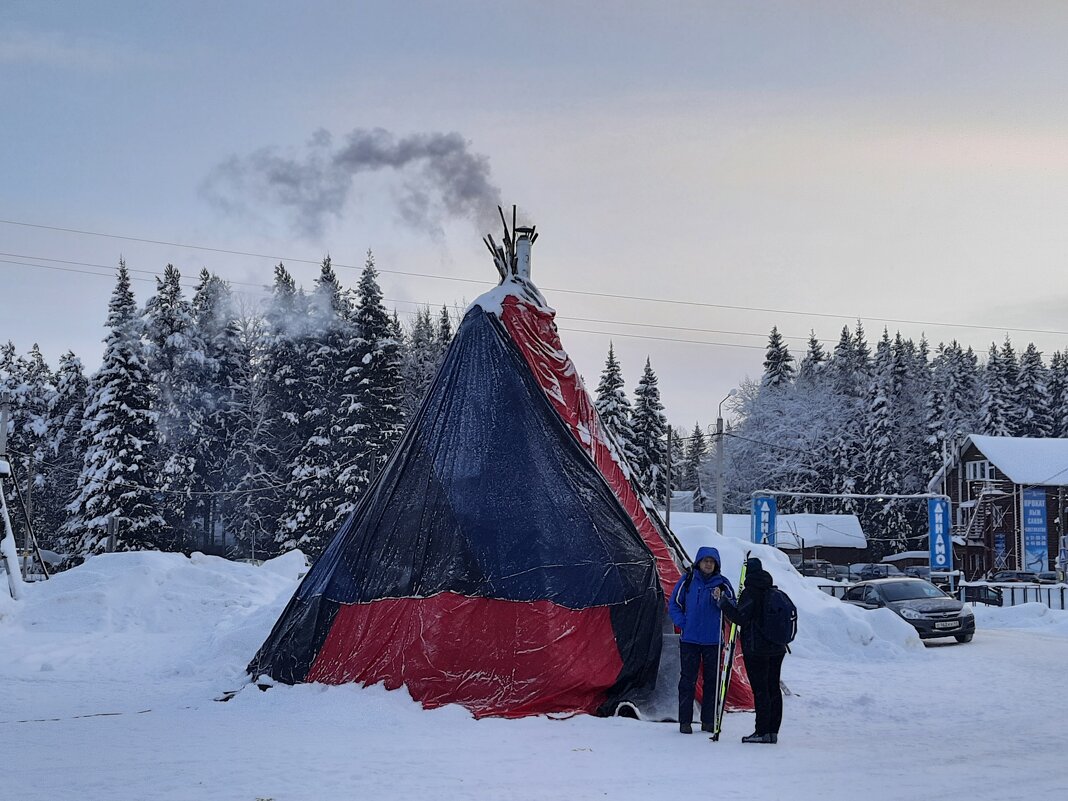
938	535
763	517
1035	533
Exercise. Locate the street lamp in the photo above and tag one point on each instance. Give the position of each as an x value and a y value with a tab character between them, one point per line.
719	461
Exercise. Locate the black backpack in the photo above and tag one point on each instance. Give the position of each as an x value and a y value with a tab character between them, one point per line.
779	623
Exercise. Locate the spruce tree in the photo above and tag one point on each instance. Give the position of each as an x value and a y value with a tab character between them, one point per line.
422	356
288	394
1035	402
884	449
250	508
66	445
778	367
312	507
372	390
813	363
696	450
216	394
1010	399
650	429
996	418
117	475
445	331
175	360
1058	388
614	408
32	389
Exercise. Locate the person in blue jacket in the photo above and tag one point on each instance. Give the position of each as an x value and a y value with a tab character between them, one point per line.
697	615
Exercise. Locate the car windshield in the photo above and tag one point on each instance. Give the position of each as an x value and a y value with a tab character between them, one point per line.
910	590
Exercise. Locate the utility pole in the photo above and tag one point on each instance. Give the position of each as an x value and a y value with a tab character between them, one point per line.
8	550
27	541
5	411
667	482
113	533
719	462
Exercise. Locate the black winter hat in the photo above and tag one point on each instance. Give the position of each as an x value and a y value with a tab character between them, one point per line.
753	565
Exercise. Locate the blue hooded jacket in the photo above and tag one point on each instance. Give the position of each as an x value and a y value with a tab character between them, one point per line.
697	614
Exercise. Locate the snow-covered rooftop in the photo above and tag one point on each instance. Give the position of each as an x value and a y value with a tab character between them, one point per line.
824	531
1025	460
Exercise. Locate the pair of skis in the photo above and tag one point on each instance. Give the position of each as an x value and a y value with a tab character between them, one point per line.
726	664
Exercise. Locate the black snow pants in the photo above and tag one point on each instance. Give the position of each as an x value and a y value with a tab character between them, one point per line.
764	671
693	657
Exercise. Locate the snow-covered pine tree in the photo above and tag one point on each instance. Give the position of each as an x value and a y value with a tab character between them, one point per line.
175	360
696	450
445	331
120	431
861	355
287	392
811	368
847	370
421	359
964	395
217	390
778	363
250	507
1032	390
66	445
312	506
614	408
996	418
912	378
372	393
1058	390
650	429
935	437
32	387
1010	400
884	449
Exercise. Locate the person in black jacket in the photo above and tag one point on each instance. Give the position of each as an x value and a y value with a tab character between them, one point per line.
763	659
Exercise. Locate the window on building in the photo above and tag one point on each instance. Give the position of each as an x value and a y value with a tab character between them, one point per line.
979	470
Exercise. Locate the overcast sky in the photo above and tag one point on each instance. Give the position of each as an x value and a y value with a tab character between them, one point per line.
829	160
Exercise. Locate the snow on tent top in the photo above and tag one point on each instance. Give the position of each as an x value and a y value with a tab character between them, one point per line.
501	560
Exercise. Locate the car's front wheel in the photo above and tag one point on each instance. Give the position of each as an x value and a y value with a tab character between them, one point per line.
963	637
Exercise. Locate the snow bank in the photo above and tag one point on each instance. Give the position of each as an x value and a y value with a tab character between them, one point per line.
125	615
826	627
1034	616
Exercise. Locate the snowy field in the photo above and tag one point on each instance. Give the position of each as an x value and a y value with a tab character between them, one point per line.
108	674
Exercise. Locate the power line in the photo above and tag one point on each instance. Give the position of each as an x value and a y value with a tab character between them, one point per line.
662	339
391	300
428	304
767	444
588	293
191	493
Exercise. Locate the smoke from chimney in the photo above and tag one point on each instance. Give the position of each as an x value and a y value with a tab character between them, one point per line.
439	177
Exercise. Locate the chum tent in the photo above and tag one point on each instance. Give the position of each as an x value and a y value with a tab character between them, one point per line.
502	559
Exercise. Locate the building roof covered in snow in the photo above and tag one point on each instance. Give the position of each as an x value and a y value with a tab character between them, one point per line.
824	531
1039	462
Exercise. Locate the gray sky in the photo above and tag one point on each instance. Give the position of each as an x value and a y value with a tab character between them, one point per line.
904	161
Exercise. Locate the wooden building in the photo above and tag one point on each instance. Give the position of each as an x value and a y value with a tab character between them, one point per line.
1008	501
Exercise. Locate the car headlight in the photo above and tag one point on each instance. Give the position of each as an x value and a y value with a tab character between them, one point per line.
966	612
911	614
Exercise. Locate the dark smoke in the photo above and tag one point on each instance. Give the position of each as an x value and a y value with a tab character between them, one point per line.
438	177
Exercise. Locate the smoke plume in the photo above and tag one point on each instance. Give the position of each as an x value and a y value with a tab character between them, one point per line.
438	177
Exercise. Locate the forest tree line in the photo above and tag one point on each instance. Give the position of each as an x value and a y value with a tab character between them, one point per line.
268	424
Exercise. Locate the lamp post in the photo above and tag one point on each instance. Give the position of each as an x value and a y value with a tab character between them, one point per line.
719	461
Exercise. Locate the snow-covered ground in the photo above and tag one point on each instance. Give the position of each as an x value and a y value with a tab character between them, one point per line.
108	674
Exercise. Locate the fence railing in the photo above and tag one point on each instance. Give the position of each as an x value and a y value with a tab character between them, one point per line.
1055	596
